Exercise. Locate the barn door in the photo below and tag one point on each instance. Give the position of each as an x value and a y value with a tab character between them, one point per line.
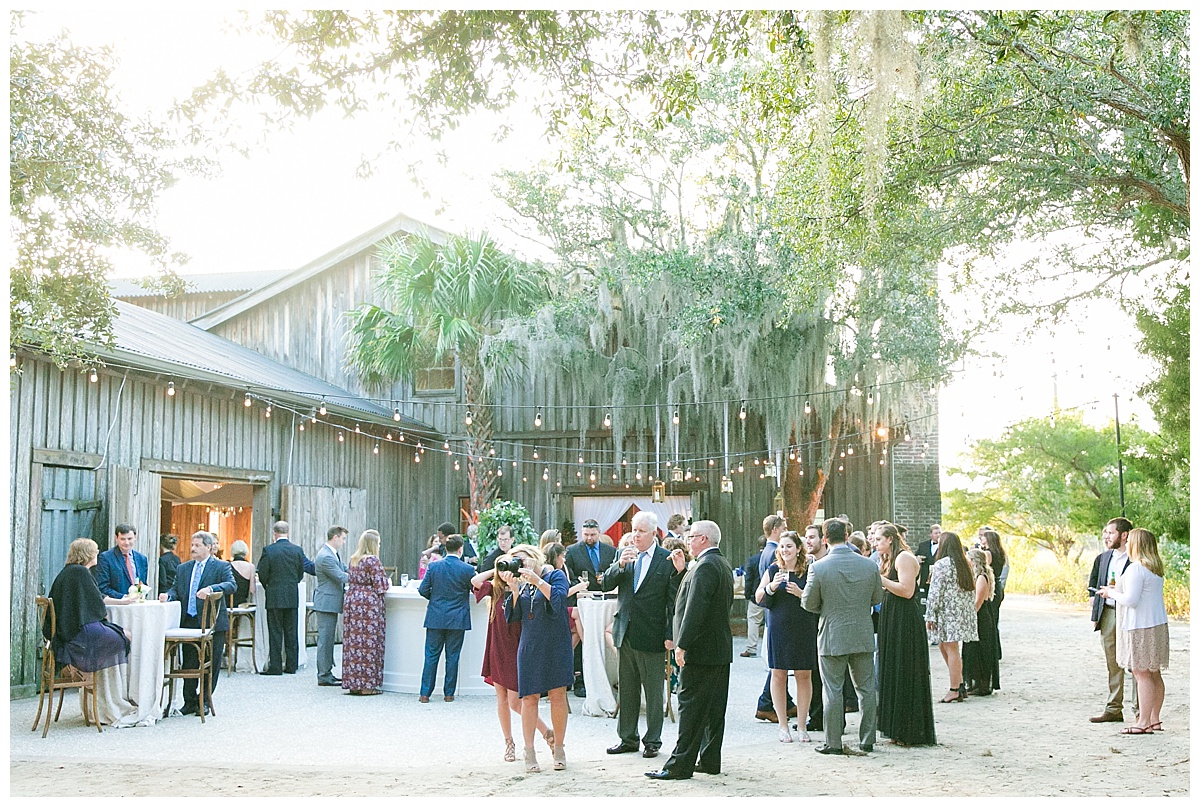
70	510
310	511
135	497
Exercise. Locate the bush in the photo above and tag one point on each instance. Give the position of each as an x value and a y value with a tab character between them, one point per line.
1037	571
496	516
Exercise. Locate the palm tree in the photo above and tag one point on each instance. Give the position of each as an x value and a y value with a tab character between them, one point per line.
445	299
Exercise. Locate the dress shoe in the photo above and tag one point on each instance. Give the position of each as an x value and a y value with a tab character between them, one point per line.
329	682
1108	717
190	709
665	774
650	751
828	749
289	672
851	708
866	749
766	714
749	653
448	699
423	699
271	672
580	690
702	769
623	748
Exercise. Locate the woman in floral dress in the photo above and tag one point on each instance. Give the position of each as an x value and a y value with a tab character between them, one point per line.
950	609
362	619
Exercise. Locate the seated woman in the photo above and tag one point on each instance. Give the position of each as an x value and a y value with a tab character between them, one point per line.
243	573
84	639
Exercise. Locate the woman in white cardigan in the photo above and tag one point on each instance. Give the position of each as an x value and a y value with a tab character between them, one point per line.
1142	639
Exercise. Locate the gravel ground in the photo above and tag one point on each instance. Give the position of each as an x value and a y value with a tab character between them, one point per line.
286	736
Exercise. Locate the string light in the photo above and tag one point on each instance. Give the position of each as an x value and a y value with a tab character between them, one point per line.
807	408
870	397
468	420
314	416
491	452
341	437
401	437
741	470
396	414
456	465
388	437
247	401
537	420
12	360
792	454
581	459
675	417
535	454
417	457
94	376
742	413
607	420
302	425
377	448
546	474
882	431
850	450
322	409
420	448
267	413
446	446
357	430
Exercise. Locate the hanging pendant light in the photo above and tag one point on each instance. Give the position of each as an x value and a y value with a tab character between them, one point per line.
658	492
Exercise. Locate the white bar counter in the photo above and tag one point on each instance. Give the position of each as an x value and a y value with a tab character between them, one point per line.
404	645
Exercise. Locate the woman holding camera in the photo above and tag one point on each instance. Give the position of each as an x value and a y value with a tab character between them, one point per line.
538	600
791	630
500	655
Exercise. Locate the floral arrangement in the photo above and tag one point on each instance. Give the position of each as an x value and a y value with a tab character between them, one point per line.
140	589
496	515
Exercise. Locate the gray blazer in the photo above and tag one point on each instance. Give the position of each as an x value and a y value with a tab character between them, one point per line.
331	581
843	587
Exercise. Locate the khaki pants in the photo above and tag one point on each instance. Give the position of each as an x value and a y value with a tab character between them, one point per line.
1116	675
754	624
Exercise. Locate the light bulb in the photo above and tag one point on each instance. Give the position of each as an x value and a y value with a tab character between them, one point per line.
341	437
675	417
268	412
882	431
416	457
377	448
401	437
456	465
12	361
446	446
850	451
322	408
302	425
712	463
870	397
537	419
388	436
535	454
396	414
607	420
742	413
170	388
807	408
357	430
545	474
581	459
248	401
94	376
468	420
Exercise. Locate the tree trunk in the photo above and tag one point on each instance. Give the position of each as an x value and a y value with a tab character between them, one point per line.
802	493
481	479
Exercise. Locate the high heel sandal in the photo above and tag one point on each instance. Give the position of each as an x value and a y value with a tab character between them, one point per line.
962	692
531	763
560	758
510	751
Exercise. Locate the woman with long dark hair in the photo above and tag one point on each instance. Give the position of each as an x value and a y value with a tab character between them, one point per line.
950	609
905	703
500	656
545	664
1143	641
791	630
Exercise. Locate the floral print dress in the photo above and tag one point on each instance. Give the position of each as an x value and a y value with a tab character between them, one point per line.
950	608
363	625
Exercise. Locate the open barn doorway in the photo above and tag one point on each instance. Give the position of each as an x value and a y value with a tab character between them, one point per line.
225	509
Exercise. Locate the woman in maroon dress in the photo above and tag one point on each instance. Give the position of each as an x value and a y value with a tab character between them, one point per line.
500	657
362	619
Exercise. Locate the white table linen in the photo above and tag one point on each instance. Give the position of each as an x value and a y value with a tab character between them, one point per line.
404	645
600	662
128	694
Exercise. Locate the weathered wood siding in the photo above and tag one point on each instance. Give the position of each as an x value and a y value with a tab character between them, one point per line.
186	306
60	419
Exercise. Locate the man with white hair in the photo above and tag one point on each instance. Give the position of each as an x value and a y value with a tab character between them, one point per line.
646	577
704	652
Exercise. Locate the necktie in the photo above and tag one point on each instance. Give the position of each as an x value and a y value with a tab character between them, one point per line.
197	570
129	568
637	570
594	554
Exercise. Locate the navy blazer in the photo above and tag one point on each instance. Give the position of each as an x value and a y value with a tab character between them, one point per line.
112	578
218	575
447	586
643	618
280	569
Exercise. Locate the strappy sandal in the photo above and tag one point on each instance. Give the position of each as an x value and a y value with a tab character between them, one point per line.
531	763
1136	730
560	758
510	751
1156	726
804	738
785	736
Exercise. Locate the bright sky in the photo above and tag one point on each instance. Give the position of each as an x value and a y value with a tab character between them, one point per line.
299	197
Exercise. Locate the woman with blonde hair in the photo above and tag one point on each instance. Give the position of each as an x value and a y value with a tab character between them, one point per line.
981	658
548	537
243	573
500	655
1143	641
83	638
362	619
950	609
538	600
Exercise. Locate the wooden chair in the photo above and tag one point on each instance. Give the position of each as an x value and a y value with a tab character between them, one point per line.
310	630
201	639
52	681
392	573
235	642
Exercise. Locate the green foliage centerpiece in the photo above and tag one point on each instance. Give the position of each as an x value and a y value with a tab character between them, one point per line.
496	515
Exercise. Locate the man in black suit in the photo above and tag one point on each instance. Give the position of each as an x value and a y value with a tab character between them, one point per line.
280	570
592	556
926	552
647	579
704	651
195	582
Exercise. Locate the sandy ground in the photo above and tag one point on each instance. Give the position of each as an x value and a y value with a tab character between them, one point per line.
287	737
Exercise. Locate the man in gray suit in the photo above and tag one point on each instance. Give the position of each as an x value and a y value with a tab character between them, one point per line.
327	601
843	587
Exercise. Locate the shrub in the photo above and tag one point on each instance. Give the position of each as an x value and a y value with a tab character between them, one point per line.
497	515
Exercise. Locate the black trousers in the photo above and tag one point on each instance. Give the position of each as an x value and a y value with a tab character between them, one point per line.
281	638
703	695
191	660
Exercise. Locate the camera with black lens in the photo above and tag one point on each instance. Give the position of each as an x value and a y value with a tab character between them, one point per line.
512	566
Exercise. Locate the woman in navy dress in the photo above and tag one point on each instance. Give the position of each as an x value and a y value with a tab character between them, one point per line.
545	663
791	631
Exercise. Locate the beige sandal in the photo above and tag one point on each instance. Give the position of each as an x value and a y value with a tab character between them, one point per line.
560	758
510	751
531	763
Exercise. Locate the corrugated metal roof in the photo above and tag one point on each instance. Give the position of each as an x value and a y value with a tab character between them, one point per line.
217	282
164	343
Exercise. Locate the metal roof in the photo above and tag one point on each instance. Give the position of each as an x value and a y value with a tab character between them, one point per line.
166	345
213	283
397	224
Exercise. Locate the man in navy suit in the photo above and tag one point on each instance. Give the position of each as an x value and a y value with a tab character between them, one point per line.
704	652
280	570
447	586
594	557
647	579
119	568
197	580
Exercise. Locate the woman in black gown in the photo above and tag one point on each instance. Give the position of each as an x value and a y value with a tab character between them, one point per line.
791	631
998	559
981	659
905	702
